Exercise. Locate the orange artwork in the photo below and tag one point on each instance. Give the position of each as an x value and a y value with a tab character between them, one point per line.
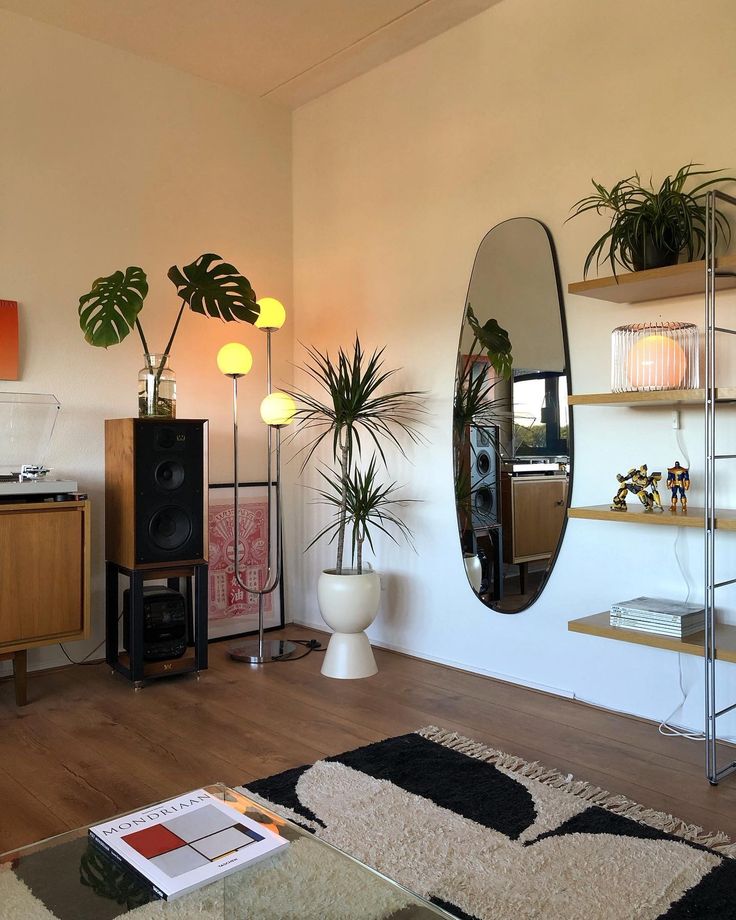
8	340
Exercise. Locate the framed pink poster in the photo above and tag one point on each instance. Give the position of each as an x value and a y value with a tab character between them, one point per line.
233	611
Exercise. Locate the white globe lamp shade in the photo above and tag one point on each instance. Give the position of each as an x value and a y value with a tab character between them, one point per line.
272	315
278	409
234	360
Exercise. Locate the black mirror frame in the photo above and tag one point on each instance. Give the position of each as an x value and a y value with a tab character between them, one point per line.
571	427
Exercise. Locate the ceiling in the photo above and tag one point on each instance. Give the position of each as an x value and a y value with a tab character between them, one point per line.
289	51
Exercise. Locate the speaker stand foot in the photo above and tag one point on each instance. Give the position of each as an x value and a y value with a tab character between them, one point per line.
253	652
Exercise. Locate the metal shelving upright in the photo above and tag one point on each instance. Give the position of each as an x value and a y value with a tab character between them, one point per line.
712	273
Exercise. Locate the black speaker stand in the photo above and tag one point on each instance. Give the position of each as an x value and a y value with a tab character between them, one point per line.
131	663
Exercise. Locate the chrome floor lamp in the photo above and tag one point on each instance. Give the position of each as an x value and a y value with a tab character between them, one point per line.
277	410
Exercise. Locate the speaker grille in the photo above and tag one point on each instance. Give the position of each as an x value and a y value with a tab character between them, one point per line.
169	486
484	476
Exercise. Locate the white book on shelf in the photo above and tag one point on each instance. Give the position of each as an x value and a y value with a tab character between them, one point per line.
657	609
675	632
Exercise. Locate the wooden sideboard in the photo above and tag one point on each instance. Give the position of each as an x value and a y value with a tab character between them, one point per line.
44	579
533	509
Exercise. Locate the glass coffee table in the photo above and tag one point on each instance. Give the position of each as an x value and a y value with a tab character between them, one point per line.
67	878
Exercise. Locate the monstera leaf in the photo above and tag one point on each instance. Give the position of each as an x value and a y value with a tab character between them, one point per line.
109	311
215	288
494	341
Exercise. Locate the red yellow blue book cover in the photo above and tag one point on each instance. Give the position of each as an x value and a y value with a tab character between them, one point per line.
186	842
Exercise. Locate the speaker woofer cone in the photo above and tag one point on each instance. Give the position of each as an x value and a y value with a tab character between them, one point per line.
170	528
169	475
484	500
164	438
483	463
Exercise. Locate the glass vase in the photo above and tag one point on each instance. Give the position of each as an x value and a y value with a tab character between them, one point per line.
156	388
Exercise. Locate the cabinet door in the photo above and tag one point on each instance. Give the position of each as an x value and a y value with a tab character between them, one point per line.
41	573
539	513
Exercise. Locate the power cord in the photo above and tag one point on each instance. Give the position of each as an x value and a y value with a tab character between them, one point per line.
311	645
86	658
665	726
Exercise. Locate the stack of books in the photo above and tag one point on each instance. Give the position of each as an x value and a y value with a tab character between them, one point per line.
659	615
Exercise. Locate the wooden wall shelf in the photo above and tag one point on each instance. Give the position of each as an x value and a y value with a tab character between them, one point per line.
657	399
672	281
599	625
725	517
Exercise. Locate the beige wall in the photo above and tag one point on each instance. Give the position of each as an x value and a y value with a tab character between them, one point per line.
397	177
108	160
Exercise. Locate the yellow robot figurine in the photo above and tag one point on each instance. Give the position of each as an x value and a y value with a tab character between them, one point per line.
640	483
678	481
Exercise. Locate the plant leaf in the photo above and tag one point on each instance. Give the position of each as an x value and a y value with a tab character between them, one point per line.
495	342
109	311
671	217
213	287
368	506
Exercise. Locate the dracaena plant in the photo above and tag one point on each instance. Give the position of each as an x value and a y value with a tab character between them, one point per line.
349	410
110	310
368	505
652	227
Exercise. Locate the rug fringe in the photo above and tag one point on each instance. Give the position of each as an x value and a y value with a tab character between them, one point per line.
618	804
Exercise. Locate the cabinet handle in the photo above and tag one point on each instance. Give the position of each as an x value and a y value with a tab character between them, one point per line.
560	502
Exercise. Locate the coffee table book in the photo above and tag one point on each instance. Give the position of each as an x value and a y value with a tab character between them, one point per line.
186	842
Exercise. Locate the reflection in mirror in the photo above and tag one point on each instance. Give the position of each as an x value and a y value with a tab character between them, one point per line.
512	431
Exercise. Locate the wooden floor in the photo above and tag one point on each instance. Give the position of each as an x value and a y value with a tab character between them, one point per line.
87	746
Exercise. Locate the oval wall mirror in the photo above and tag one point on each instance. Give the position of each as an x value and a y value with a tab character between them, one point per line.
512	429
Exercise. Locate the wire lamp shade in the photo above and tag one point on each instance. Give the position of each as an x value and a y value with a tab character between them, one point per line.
655	356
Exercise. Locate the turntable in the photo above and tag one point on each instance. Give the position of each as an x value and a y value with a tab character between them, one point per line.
27	422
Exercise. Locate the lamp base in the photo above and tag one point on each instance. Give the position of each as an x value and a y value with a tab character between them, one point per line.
252	652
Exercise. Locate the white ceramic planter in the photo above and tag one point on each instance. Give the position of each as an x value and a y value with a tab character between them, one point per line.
349	604
475	571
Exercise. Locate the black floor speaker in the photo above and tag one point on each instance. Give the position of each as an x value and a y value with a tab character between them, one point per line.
155	491
484	476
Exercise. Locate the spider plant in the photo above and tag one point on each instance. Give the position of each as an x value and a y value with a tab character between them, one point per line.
652	227
368	504
350	405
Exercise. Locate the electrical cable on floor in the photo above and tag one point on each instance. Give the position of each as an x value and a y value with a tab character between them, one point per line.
86	658
311	645
665	726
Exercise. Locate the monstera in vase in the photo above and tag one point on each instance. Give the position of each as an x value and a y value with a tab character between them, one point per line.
110	310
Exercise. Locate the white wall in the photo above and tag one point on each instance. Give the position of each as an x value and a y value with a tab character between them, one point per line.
397	176
108	160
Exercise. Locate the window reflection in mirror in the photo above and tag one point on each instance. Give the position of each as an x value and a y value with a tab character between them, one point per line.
540	414
512	429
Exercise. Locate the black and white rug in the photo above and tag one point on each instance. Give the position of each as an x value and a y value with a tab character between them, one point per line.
489	836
